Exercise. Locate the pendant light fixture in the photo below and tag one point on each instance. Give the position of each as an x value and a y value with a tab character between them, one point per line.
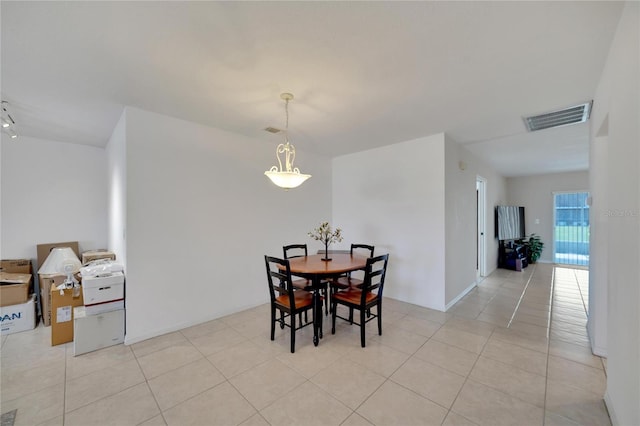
289	177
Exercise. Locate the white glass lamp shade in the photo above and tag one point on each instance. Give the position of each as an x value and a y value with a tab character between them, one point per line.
61	260
287	180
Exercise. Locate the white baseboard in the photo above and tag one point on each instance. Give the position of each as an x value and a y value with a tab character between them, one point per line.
460	296
130	339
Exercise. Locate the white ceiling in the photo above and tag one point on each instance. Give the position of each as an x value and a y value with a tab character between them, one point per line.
364	74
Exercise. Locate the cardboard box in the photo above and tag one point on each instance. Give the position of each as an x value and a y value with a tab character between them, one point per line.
46	281
14	288
62	314
93	332
44	250
90	256
16	318
16	266
104	288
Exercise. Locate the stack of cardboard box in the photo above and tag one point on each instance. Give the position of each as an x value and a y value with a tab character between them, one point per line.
17	305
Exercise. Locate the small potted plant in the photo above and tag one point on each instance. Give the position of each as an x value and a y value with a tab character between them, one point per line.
326	235
534	247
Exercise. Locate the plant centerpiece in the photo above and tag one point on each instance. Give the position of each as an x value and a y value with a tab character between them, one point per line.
534	247
325	234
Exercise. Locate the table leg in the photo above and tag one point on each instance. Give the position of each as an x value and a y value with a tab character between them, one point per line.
317	312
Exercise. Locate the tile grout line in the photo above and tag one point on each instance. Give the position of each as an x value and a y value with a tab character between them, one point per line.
546	375
524	290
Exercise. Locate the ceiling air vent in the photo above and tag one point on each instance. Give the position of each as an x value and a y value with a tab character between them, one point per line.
564	117
272	130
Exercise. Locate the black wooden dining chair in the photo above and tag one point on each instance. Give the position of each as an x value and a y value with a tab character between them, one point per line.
364	299
285	300
298	250
349	280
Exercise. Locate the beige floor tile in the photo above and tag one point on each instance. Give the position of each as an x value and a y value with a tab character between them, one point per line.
18	381
579	329
553	419
242	357
253	327
155	421
464	340
454	419
88	363
517	356
264	384
424	313
312	406
577	375
497	320
515	337
37	407
56	421
393	404
532	319
255	420
157	343
184	382
356	419
204	329
218	341
485	406
529	329
348	382
474	327
448	357
102	383
437	384
577	353
421	326
379	358
578	404
509	379
309	360
582	340
400	339
167	359
129	407
221	405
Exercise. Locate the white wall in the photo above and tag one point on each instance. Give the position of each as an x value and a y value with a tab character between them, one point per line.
51	192
200	216
598	242
117	191
461	171
535	193
393	197
616	115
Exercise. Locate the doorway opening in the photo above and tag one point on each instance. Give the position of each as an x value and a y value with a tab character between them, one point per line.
571	228
481	208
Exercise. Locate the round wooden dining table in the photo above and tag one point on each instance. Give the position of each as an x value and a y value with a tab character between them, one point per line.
315	269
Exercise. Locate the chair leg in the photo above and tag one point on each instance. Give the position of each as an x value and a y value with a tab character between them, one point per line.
273	322
293	333
334	305
379	308
362	327
351	316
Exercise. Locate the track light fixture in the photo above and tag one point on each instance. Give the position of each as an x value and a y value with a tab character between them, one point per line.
8	123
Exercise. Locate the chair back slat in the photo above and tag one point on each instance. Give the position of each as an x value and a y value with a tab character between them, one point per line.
368	247
374	275
298	250
279	277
